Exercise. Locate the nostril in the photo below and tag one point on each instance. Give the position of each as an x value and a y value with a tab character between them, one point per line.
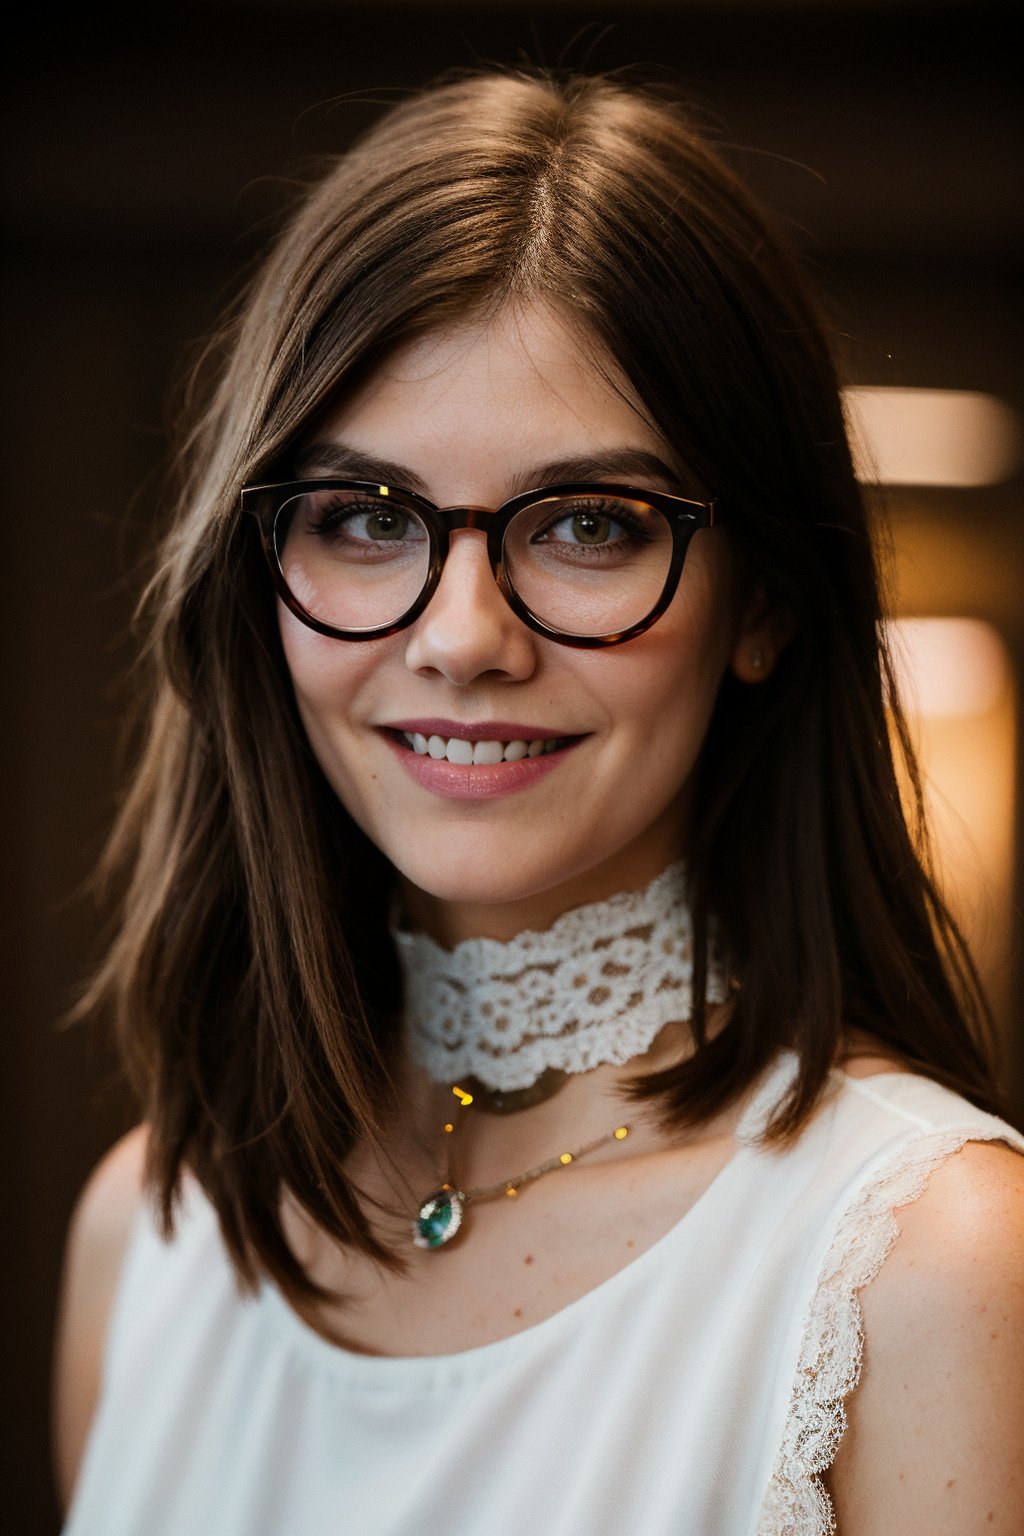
468	629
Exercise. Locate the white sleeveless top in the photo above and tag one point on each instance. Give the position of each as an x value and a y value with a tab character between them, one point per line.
697	1392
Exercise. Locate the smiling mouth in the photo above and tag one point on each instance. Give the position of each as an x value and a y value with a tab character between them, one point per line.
466	753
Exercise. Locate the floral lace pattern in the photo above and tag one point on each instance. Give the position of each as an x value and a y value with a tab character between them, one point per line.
595	988
796	1502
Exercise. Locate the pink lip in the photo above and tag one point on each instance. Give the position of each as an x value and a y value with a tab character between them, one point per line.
474	781
476	730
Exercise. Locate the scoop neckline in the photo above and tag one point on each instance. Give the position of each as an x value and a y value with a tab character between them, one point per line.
390	1370
479	1358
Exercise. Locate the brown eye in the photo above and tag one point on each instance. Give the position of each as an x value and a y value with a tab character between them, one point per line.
365	521
383	523
588	528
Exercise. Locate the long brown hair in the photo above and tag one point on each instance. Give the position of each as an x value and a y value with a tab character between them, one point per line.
251	975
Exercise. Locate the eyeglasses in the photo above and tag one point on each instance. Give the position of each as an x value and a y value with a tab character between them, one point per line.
583	564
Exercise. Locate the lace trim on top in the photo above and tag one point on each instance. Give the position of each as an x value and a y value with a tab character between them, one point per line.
595	988
796	1502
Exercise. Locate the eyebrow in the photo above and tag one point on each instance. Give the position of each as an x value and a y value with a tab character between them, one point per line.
335	459
630	464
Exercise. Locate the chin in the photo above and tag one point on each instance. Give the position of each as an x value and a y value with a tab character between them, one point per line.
506	889
475	879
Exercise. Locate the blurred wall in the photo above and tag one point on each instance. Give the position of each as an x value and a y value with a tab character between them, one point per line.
144	168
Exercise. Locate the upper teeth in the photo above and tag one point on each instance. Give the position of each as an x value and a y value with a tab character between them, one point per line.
457	750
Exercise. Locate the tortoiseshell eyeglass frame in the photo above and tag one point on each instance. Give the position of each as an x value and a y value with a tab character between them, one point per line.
683	515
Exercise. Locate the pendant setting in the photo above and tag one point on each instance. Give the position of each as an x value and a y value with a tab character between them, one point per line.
507	1101
439	1219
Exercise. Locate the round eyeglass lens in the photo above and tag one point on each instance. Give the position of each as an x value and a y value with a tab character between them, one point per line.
589	565
354	559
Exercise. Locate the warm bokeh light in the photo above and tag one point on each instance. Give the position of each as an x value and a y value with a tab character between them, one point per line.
949	668
956	683
932	436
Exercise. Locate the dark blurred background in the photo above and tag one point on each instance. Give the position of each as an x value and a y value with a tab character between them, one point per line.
147	164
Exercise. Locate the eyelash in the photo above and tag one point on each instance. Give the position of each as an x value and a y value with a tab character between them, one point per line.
613	511
332	515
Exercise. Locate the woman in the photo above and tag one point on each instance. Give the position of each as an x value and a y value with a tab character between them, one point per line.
537	1004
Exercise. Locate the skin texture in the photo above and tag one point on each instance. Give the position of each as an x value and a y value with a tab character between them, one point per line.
97	1241
934	1445
474	414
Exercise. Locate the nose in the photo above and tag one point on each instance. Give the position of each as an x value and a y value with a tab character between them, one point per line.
468	629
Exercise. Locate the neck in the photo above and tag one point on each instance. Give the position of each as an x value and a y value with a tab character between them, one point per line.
593	989
488	1148
451	922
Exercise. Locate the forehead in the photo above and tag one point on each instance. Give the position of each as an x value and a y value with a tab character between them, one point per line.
510	394
522	348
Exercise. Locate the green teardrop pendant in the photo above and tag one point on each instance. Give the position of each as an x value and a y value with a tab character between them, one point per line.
439	1219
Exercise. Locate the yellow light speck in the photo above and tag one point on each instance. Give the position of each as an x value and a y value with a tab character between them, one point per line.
511	1191
566	1157
622	1133
382	490
449	1127
464	1098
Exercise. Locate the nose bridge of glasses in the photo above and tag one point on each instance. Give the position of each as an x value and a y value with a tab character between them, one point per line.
487	522
455	518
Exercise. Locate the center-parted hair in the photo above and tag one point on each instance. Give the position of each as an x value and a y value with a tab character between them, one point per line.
251	977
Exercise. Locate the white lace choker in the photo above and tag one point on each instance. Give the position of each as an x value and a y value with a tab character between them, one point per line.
595	988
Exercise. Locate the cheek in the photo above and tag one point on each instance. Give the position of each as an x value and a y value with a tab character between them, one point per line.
670	676
326	675
668	711
307	665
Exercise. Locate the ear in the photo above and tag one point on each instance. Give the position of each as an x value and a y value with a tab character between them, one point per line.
762	635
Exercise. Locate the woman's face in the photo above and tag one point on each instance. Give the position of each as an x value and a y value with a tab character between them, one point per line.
472	414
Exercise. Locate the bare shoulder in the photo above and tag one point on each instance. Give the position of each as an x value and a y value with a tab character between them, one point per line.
97	1242
933	1443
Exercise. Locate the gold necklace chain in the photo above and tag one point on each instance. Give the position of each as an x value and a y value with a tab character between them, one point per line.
440	1215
